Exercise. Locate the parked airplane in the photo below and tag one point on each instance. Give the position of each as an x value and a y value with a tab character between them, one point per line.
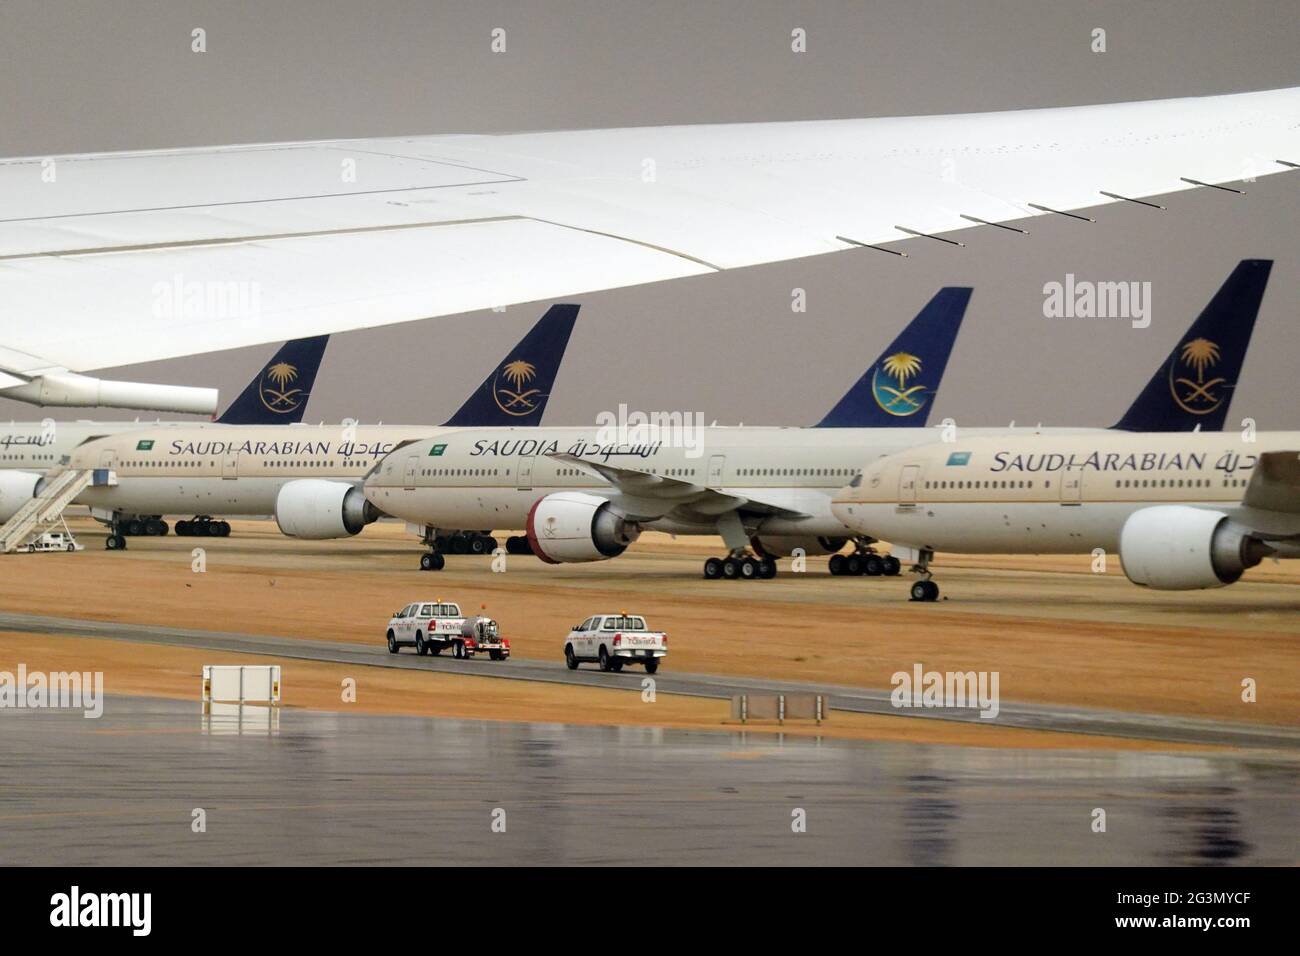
581	495
1182	511
307	476
277	395
440	225
584	494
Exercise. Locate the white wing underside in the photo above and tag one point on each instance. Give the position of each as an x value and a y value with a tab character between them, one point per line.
132	257
645	496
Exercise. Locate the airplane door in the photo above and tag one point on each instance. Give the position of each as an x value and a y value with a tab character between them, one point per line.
230	465
525	482
107	458
1071	487
408	475
907	484
716	465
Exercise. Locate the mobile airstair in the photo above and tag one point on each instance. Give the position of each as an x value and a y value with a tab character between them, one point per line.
46	509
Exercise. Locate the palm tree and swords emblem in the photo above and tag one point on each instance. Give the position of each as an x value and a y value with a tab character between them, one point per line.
276	394
517	400
1198	355
898	399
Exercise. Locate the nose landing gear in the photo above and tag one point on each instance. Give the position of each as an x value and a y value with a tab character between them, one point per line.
925	589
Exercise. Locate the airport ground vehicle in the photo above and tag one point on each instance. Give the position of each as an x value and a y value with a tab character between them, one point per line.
53	541
433	626
613	640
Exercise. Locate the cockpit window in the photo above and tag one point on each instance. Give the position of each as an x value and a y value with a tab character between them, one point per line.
857	481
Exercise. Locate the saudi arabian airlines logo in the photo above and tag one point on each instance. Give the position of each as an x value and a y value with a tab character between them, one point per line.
1188	382
890	388
511	389
275	390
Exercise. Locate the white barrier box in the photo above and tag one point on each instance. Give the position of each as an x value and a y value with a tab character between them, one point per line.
241	683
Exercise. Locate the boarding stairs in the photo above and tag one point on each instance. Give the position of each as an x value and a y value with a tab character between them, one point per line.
46	509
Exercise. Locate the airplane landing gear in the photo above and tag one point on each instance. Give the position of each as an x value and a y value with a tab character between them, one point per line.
925	589
432	561
518	544
202	526
742	566
465	542
116	541
865	560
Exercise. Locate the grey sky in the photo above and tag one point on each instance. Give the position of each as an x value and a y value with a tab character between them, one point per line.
82	77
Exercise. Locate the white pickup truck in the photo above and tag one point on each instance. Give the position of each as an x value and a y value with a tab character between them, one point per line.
432	626
613	640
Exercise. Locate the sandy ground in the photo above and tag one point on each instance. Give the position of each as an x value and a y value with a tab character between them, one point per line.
1055	632
148	670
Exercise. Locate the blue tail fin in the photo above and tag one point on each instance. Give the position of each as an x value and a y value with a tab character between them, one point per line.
896	391
279	393
1194	386
516	391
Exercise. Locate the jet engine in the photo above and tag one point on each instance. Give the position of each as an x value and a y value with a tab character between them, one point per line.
316	508
16	489
569	526
784	545
1178	548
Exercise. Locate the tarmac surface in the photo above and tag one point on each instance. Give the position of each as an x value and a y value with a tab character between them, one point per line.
314	788
854	699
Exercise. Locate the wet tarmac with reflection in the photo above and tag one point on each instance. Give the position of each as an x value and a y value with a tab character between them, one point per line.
302	787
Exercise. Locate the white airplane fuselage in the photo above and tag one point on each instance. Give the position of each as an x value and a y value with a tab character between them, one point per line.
1057	494
491	477
229	469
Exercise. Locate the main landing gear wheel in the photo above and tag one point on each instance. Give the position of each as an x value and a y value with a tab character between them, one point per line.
865	562
925	591
518	544
115	542
432	561
740	567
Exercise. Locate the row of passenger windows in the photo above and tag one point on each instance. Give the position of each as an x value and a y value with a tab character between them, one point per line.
460	472
1178	483
795	472
983	484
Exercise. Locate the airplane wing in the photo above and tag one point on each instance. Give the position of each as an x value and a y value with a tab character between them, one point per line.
646	496
116	258
1275	483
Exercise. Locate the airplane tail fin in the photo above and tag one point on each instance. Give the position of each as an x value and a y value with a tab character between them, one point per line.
1193	387
515	392
897	390
279	393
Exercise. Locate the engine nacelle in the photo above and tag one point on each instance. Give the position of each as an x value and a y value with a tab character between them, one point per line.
570	526
1178	548
316	508
16	489
784	545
